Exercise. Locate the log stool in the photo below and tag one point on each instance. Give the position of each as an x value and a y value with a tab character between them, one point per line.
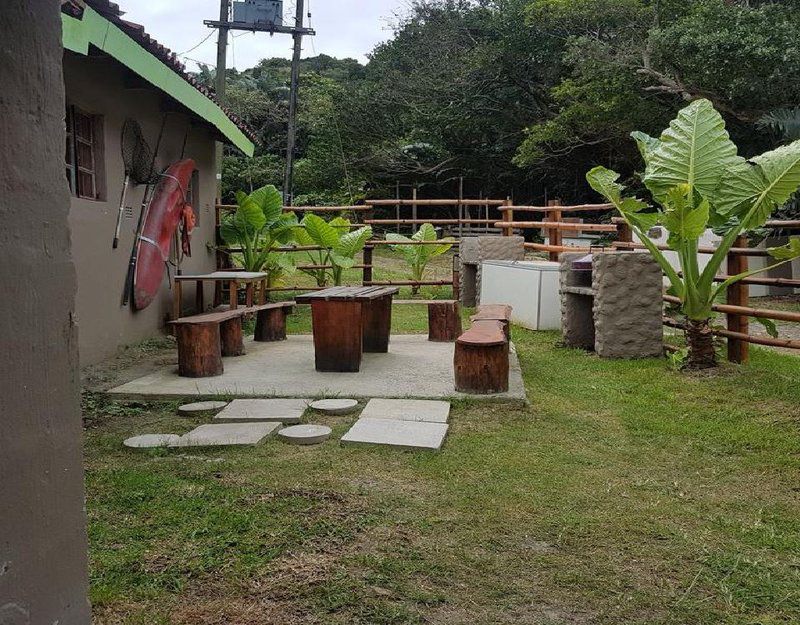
271	321
231	337
444	320
199	353
481	359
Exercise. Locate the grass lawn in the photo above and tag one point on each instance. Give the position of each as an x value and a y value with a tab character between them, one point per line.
625	493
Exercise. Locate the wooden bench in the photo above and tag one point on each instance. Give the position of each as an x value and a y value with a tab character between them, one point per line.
203	340
495	312
481	359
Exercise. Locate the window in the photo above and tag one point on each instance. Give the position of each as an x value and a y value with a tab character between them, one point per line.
84	154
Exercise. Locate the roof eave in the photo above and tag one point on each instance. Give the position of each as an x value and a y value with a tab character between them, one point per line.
96	30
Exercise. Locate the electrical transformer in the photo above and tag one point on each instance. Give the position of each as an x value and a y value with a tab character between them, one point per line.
259	12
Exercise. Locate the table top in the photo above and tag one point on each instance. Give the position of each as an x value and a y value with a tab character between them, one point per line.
349	293
239	276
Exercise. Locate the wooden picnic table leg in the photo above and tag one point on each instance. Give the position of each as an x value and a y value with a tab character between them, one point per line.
233	289
177	296
377	324
249	294
337	335
199	300
262	296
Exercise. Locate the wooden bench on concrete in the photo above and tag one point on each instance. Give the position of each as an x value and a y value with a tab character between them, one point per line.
203	340
495	312
481	359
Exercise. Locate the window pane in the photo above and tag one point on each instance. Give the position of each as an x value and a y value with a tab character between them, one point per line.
86	185
85	155
83	126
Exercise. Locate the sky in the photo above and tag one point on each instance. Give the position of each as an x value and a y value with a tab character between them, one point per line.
345	28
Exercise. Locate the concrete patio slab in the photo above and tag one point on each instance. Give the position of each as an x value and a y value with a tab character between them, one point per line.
414	367
253	410
394	433
227	434
430	411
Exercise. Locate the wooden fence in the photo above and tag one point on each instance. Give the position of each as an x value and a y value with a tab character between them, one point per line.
553	221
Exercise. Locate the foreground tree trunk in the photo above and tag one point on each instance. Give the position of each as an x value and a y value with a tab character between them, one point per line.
700	341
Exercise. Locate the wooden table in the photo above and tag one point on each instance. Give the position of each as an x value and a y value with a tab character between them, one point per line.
347	321
236	278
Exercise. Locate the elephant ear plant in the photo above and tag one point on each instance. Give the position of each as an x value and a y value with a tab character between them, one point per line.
699	181
258	226
418	256
339	243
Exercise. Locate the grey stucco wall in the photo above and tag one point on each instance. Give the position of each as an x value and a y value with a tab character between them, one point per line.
97	85
43	562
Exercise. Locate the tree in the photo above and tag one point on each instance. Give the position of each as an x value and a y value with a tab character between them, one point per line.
698	179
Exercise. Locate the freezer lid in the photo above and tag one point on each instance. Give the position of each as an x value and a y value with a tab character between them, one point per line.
530	265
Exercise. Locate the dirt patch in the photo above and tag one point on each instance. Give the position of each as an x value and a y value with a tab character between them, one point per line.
130	363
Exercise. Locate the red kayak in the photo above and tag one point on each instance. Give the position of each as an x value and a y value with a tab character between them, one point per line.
163	216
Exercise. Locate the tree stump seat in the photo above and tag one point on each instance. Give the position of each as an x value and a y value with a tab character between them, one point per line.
203	340
481	359
444	320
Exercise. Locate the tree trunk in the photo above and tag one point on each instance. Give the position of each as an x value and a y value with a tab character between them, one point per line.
700	341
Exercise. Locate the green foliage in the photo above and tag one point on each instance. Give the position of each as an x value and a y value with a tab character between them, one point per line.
340	245
695	174
418	256
257	226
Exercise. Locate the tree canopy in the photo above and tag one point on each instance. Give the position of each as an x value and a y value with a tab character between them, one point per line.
518	97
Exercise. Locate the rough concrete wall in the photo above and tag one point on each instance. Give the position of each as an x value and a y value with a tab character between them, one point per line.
475	250
627	305
43	564
577	319
96	85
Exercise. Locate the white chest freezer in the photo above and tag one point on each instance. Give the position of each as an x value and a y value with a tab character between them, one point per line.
531	287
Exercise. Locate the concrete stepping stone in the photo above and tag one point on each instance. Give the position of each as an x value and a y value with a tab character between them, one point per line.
306	434
334	406
254	410
214	434
396	433
148	441
201	407
407	410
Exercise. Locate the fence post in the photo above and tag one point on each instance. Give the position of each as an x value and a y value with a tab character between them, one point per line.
457	277
367	271
624	232
554	234
738	295
508	215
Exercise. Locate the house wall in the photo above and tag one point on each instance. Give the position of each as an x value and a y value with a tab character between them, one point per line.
97	85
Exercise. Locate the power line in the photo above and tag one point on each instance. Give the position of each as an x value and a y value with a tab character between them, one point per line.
193	48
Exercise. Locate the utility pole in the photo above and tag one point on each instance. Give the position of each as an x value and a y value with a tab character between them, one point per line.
291	130
272	26
219	81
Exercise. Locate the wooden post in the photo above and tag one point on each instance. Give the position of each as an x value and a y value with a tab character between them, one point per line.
199	299
457	277
460	206
554	234
367	271
738	295
624	233
414	228
199	350
508	215
233	289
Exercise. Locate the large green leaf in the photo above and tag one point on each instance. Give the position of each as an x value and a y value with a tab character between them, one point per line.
790	251
229	232
320	231
752	191
409	252
604	181
684	222
249	217
426	232
269	200
351	243
647	144
694	150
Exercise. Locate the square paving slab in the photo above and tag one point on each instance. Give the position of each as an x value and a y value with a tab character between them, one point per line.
407	410
414	367
252	410
394	433
228	434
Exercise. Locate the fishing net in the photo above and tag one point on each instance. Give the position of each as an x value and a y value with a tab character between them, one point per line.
136	154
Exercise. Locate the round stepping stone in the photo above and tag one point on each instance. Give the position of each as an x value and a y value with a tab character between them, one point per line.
201	407
146	441
305	434
334	406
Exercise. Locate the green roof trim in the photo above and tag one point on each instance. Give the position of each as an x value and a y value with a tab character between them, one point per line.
94	29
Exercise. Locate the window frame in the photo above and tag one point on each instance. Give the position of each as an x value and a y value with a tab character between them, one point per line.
79	175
